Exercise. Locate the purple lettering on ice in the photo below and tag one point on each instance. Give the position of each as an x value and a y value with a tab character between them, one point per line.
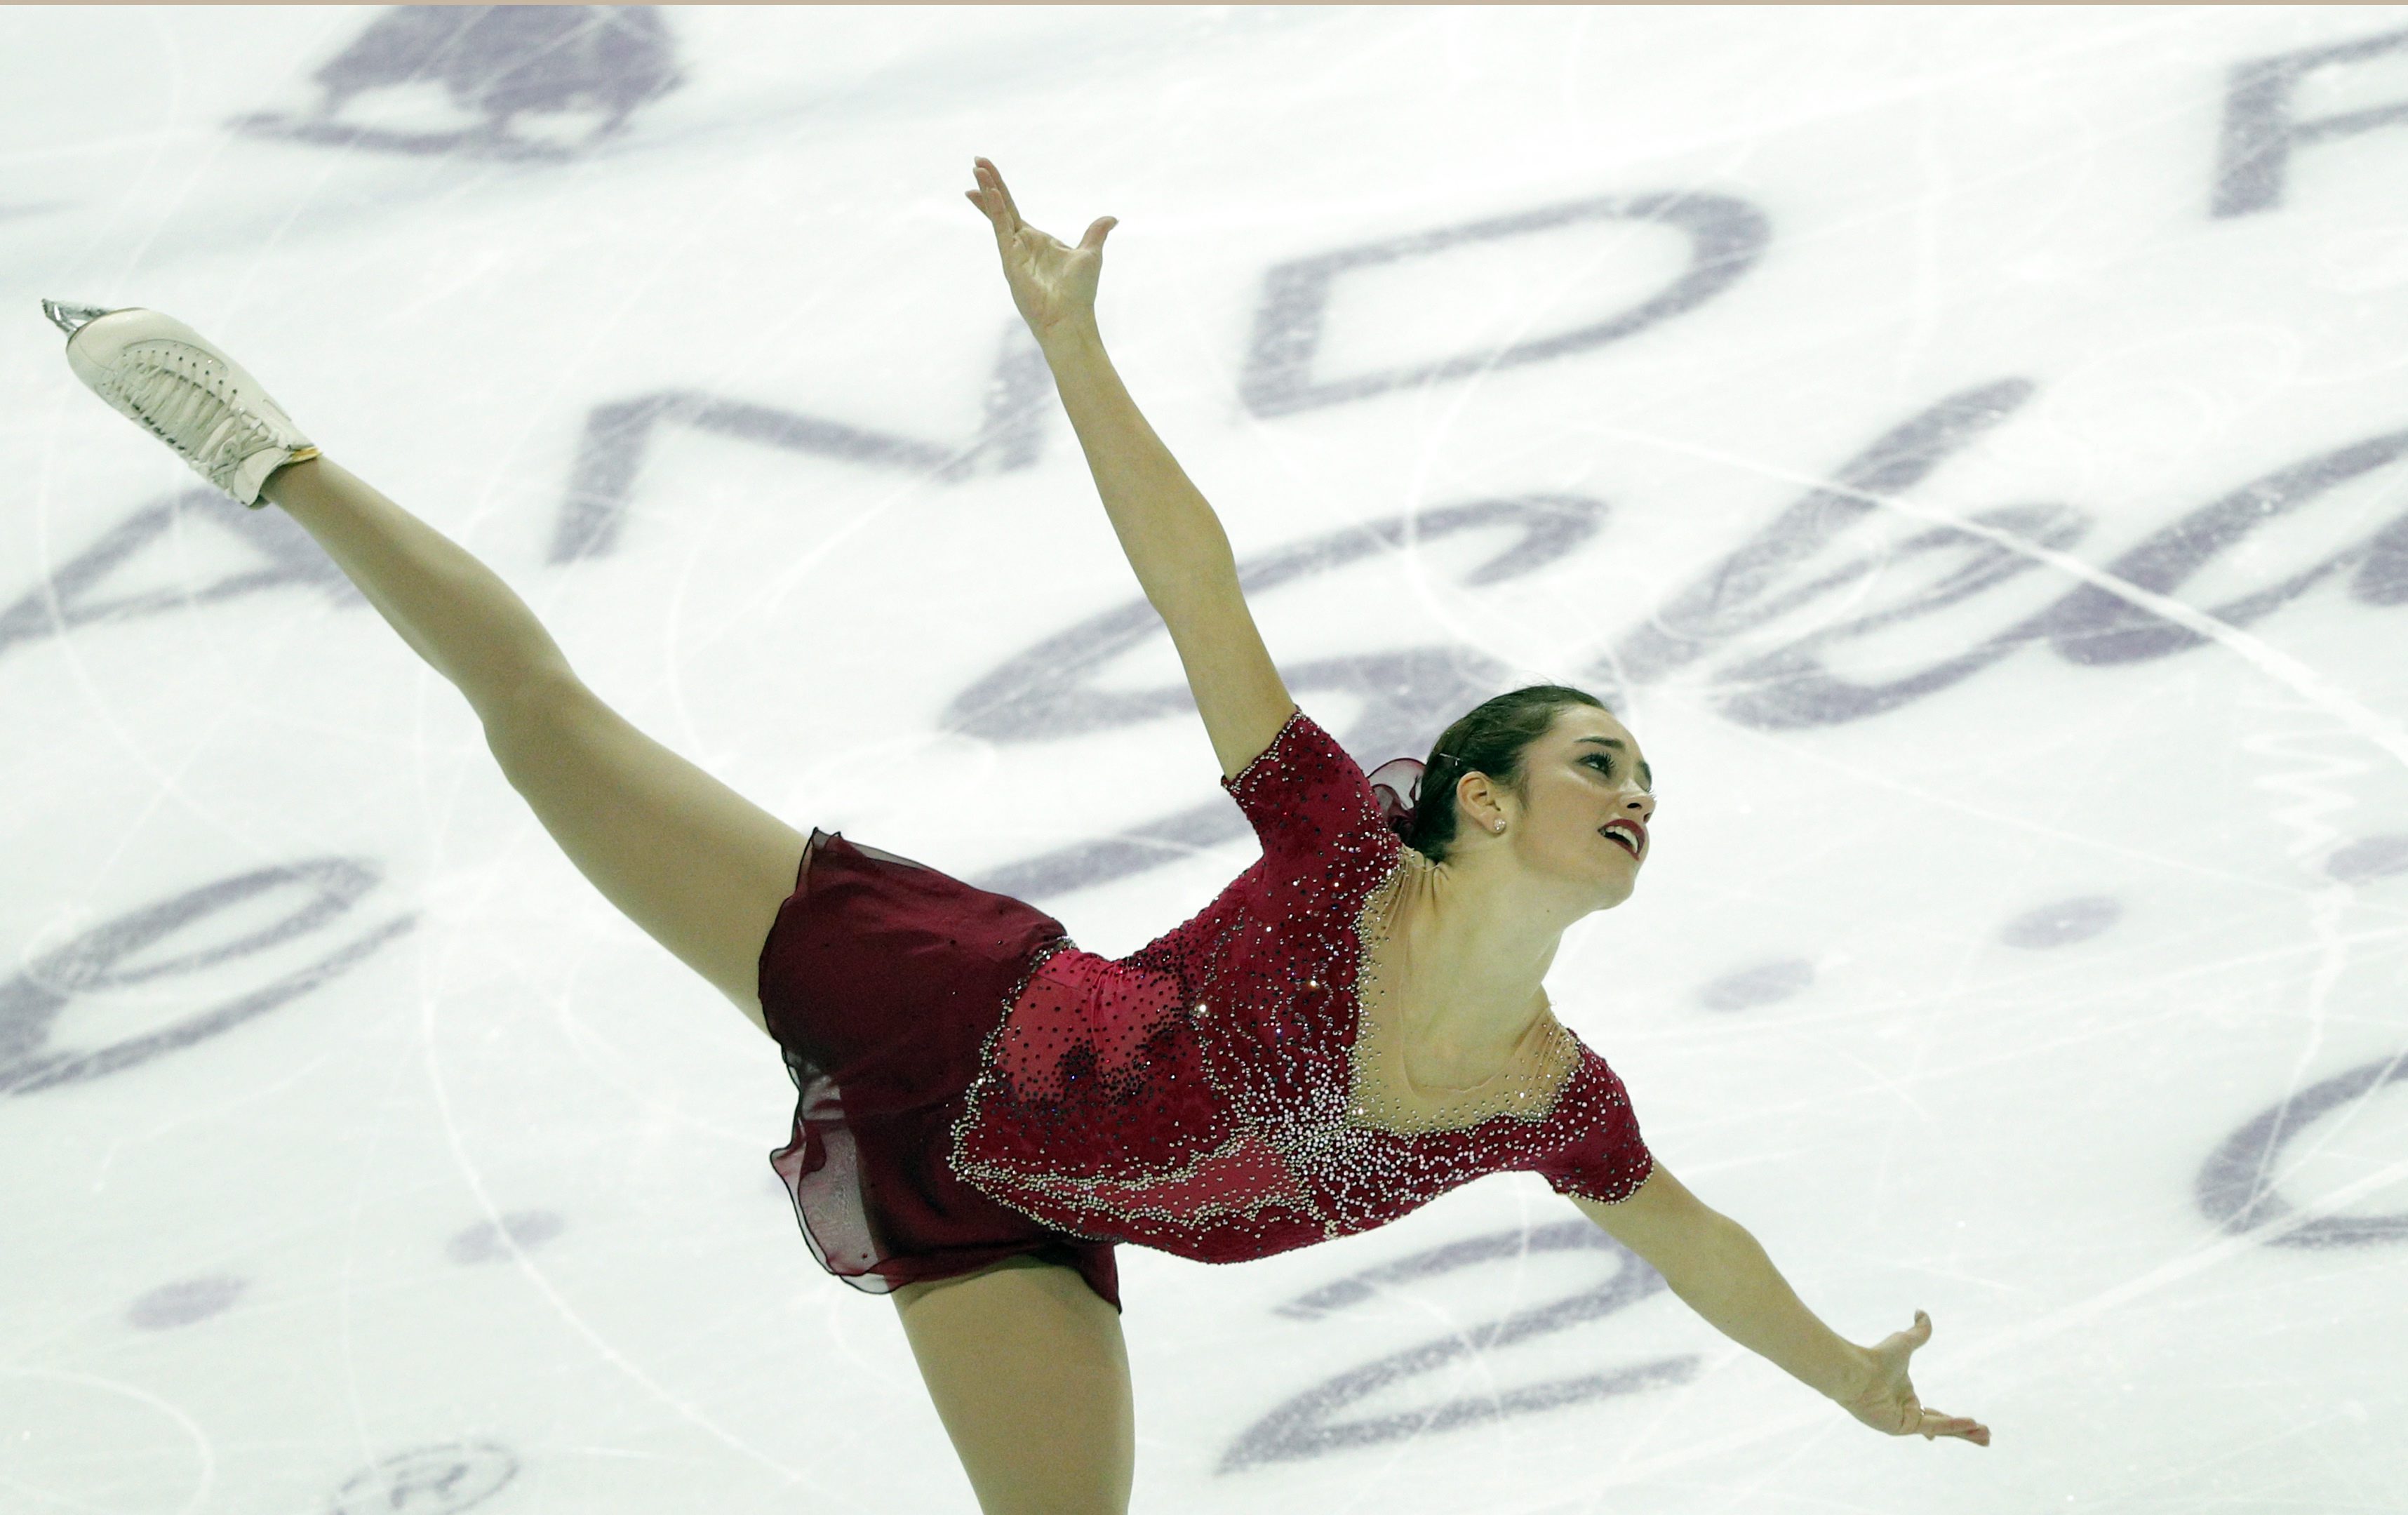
107	957
2260	132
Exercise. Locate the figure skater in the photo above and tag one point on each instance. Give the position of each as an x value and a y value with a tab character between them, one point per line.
1357	1024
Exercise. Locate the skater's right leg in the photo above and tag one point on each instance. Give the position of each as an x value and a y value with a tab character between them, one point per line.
1030	1376
696	865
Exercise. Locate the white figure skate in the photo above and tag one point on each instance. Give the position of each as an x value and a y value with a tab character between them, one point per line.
185	392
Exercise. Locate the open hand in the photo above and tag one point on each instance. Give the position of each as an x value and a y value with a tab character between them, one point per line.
1888	1403
1051	283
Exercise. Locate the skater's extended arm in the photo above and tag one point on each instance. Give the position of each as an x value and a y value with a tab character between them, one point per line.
1166	528
1721	1271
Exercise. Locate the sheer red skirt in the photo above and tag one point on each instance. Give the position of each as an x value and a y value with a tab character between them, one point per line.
880	980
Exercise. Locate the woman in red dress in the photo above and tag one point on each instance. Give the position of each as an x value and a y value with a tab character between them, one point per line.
1354	1027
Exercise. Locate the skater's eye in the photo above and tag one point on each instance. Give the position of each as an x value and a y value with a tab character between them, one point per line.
1604	765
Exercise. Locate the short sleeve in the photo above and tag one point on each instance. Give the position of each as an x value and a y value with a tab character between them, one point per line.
1595	1151
1306	799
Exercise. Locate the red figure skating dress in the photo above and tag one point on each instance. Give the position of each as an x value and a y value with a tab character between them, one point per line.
973	1087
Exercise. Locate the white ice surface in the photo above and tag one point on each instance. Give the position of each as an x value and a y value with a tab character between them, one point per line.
2064	1001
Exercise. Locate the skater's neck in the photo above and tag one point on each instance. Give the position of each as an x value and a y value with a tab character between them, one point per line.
1476	935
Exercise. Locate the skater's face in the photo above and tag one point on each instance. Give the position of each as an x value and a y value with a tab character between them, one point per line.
1582	811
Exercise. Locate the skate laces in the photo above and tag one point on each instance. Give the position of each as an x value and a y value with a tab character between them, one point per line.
189	412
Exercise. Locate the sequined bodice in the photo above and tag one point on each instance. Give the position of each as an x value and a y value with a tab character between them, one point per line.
1219	1092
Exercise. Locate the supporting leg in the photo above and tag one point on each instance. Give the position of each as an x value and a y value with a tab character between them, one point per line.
1030	1375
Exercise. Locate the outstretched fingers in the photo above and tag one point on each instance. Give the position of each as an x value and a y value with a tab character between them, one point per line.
1936	1425
1889	1402
999	203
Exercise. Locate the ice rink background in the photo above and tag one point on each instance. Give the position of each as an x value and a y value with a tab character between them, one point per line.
1968	447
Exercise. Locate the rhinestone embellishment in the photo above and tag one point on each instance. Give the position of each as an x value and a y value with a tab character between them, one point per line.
1225	1093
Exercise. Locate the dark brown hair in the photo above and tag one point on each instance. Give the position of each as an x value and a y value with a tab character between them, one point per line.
1492	739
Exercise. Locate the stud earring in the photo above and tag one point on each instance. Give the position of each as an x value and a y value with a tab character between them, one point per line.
1498	826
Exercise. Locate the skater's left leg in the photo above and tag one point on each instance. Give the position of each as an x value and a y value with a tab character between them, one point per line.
700	869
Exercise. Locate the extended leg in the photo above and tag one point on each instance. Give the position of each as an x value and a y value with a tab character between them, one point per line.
1030	1375
699	867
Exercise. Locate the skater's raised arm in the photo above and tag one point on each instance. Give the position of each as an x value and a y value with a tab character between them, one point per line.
1168	530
